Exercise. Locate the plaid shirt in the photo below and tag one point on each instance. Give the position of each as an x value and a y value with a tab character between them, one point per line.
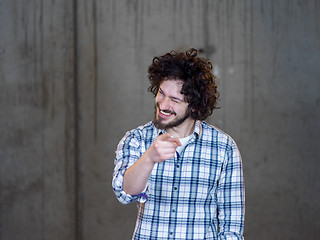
198	194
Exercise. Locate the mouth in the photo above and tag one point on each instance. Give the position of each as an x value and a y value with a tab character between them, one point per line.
166	113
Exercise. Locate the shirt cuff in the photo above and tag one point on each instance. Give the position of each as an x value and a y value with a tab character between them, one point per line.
126	198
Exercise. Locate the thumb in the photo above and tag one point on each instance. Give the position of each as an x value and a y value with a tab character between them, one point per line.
168	137
165	137
175	140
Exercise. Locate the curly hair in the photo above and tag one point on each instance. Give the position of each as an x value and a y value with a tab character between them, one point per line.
199	88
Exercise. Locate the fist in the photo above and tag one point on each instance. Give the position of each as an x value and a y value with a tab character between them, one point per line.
163	148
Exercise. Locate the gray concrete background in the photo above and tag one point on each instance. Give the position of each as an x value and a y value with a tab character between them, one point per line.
73	80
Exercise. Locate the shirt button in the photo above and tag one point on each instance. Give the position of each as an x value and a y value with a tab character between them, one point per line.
178	166
173	210
175	188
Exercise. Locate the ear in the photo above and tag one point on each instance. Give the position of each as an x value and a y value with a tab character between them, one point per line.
191	111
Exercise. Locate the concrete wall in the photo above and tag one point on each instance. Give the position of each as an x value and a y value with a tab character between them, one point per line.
36	120
73	81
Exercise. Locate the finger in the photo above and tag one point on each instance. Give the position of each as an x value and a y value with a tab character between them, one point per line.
168	155
170	138
169	150
164	137
175	140
170	144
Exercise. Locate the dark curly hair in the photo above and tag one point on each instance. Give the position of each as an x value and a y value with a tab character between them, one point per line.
199	88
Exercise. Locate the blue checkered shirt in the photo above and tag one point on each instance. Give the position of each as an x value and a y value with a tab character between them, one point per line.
198	194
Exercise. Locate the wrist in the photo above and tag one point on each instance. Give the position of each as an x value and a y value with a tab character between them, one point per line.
148	158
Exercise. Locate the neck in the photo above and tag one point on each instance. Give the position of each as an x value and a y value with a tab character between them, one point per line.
183	130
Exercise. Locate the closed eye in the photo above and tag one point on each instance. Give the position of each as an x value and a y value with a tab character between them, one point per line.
161	92
177	100
174	99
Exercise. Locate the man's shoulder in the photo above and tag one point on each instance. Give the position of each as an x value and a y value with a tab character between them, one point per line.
212	130
207	127
141	131
143	128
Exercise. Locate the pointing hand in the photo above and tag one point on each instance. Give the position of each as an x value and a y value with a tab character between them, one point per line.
163	148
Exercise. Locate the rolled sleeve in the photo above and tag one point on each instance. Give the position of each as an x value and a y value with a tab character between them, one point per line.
127	153
117	183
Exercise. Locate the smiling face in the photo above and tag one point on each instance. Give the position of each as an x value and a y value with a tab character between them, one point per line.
171	109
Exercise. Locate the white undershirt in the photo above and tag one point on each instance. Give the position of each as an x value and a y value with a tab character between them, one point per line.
184	141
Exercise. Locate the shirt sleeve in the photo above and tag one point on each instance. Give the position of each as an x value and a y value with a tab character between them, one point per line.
231	196
127	153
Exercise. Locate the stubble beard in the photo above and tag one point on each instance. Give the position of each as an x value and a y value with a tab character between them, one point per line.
157	121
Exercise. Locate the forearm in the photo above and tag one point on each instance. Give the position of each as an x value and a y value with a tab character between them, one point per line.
136	177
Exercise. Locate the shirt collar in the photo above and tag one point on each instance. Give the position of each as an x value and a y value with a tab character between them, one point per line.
198	129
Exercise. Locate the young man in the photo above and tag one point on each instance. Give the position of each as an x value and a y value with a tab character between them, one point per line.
186	175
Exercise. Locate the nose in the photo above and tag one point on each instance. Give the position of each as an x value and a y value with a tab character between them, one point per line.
164	103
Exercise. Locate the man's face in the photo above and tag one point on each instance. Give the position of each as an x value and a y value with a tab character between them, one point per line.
171	109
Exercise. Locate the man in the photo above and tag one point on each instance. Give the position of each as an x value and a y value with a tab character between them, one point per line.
186	175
